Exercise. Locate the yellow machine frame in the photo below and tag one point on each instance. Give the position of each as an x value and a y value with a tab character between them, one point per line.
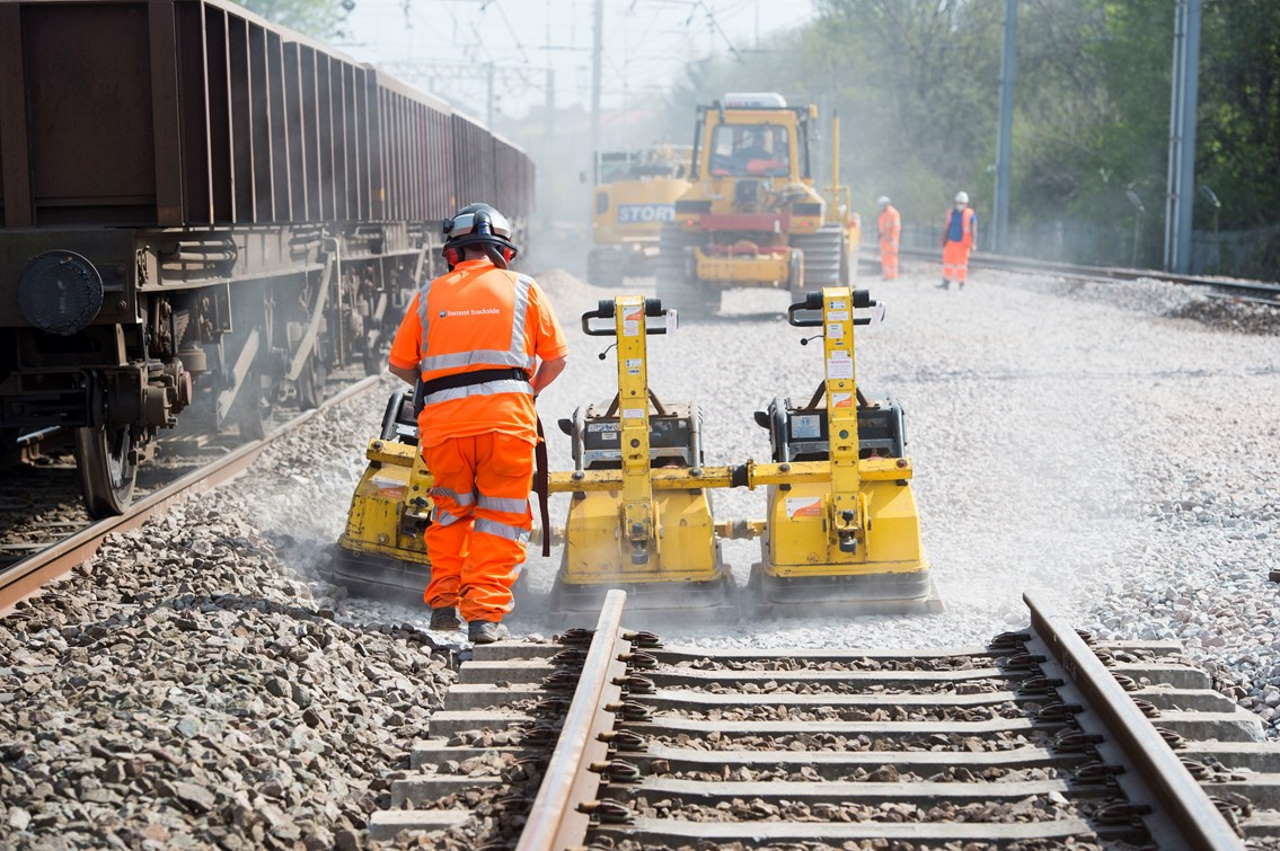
854	526
628	533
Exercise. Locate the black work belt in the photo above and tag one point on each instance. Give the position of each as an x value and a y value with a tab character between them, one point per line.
467	379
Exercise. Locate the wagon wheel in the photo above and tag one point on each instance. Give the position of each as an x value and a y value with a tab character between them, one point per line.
249	408
310	384
107	474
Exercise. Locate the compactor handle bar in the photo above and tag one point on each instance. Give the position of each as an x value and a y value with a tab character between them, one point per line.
813	302
605	310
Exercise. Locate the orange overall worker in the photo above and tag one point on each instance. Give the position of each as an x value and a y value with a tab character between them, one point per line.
958	236
474	336
890	230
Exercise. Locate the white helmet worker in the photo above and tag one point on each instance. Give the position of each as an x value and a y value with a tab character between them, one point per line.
962	197
883	201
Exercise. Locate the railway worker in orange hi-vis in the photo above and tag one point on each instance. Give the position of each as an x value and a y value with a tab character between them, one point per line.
484	342
959	233
889	226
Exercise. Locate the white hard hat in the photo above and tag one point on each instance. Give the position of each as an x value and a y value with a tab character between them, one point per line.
882	200
962	197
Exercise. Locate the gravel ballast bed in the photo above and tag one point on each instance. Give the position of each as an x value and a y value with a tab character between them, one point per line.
1033	808
186	689
727	741
849	713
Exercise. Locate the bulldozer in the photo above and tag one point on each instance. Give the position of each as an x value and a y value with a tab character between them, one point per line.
752	216
635	192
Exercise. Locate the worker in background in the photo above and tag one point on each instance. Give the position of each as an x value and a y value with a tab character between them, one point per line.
889	227
484	342
959	234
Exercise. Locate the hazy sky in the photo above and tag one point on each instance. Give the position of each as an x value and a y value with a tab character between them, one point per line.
446	44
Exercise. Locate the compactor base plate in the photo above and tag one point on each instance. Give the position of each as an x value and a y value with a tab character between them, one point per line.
679	599
379	576
870	594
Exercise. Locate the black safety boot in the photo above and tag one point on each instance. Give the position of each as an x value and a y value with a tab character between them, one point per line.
486	632
945	285
445	618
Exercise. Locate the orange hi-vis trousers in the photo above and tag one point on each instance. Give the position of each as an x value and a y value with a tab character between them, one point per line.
481	521
888	259
955	261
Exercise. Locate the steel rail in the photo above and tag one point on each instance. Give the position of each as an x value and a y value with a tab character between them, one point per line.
1262	291
557	819
22	579
1180	815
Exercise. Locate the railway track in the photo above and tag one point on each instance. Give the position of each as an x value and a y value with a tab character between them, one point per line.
1254	291
49	549
1039	740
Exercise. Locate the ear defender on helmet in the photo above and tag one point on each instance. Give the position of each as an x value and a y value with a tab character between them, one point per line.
480	226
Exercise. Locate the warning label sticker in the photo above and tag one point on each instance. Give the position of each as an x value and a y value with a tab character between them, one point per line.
804	506
842	400
632	413
389	488
633	366
631	322
839	365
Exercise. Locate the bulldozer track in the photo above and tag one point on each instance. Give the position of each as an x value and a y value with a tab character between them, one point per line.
57	554
1040	739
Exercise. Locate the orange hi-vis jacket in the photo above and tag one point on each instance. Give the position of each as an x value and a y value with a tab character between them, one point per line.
478	317
890	225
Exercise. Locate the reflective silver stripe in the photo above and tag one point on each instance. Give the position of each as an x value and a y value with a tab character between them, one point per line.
519	315
488	388
515	356
501	530
423	318
477	356
444	518
502	503
460	498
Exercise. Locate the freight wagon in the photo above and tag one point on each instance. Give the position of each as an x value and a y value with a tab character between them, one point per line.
201	213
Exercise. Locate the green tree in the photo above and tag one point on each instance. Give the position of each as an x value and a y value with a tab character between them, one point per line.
916	84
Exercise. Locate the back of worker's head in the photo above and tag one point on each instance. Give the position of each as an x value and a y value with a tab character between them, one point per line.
480	227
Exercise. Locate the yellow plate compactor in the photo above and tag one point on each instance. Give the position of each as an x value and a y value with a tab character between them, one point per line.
621	532
841	532
851	540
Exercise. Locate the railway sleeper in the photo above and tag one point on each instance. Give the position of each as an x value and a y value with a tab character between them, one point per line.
920	793
755	833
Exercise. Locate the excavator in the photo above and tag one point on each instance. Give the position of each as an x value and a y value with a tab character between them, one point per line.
634	197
